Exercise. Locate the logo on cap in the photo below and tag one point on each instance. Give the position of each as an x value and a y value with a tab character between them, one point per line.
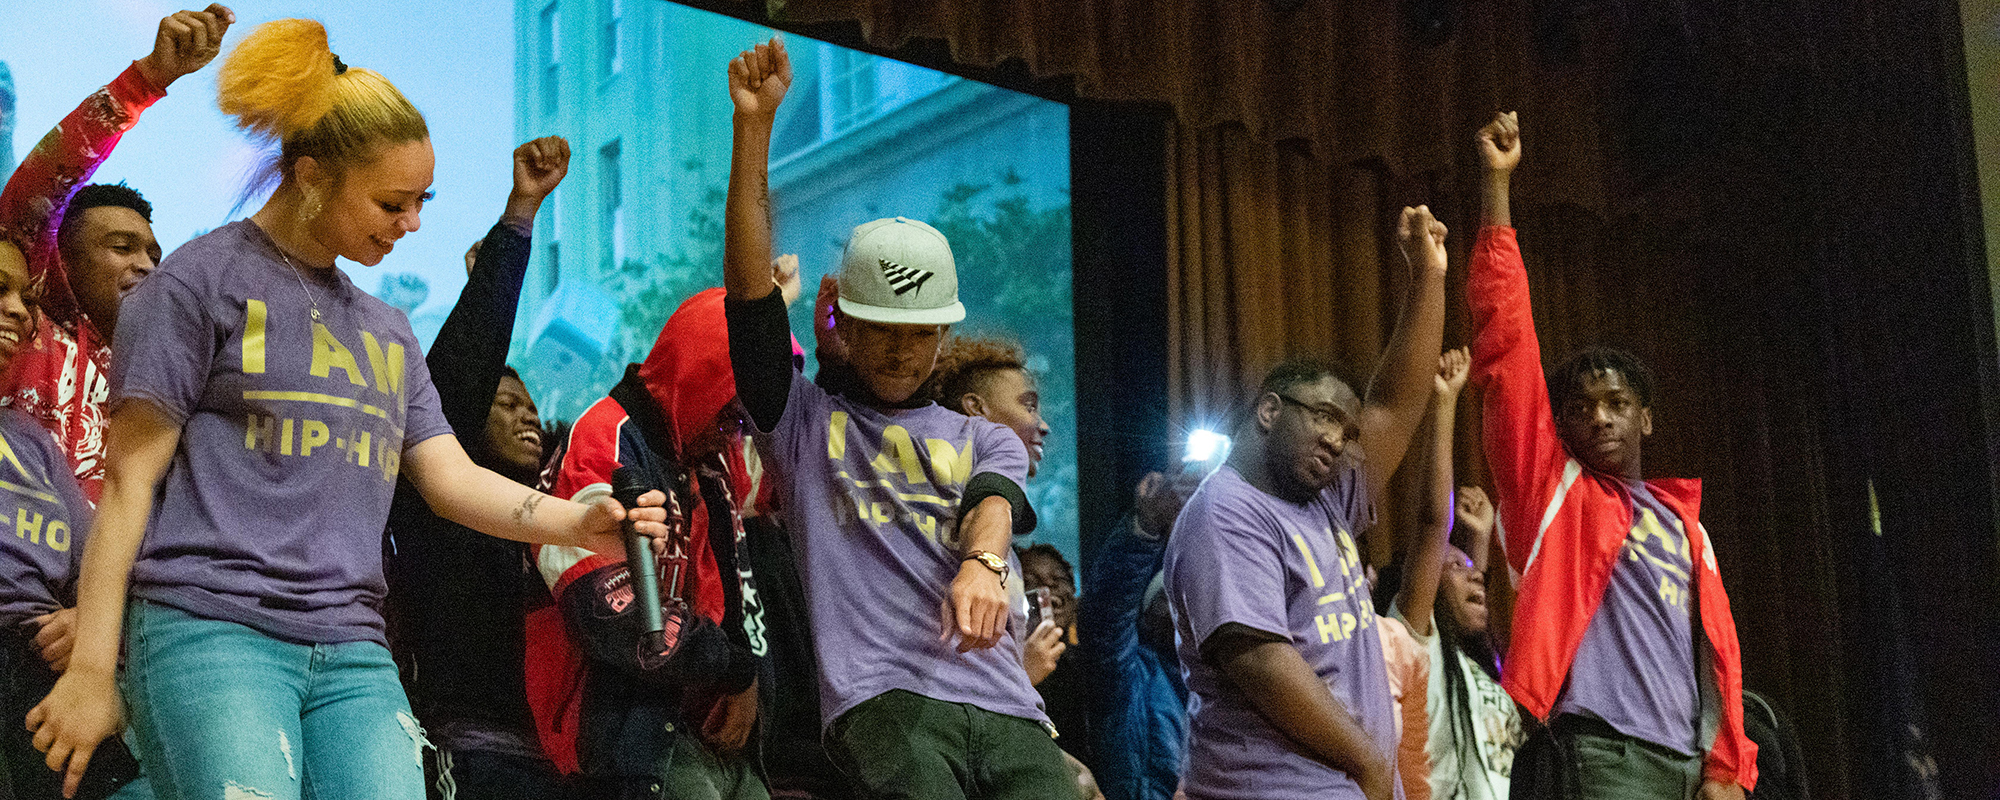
899	271
903	279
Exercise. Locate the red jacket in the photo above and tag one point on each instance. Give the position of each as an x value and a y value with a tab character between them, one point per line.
1564	525
688	382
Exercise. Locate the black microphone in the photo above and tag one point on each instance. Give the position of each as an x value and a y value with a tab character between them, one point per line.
627	483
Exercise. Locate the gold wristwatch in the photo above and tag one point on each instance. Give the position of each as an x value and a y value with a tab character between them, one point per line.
990	561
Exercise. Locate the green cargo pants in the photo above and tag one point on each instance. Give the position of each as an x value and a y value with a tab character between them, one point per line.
903	745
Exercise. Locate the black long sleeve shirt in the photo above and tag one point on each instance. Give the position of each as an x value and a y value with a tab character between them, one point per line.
459	597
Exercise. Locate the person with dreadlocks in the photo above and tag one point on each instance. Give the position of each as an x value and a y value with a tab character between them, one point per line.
1468	748
1477	729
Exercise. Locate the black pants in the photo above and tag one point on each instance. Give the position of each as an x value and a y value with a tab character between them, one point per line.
484	775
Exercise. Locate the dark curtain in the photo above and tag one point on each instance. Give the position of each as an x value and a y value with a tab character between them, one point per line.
1272	253
1388	81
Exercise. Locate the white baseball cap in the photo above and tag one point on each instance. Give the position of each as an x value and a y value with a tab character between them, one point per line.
899	271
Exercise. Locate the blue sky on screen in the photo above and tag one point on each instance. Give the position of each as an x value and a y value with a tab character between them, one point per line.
453	60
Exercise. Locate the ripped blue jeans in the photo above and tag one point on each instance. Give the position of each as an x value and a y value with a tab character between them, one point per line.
223	712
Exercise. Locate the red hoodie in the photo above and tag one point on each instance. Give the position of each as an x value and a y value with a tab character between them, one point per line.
1563	524
688	378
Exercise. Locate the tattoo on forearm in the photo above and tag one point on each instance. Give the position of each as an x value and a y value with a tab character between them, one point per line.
525	514
764	198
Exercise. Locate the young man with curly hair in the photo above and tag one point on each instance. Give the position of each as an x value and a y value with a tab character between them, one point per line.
1623	641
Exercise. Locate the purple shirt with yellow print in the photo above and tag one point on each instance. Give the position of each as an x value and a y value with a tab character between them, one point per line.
1635	668
292	432
1239	555
872	503
41	502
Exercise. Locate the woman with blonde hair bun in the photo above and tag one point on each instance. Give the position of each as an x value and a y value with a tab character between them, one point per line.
262	408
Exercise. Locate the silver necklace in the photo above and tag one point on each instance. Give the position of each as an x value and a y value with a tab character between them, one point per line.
299	274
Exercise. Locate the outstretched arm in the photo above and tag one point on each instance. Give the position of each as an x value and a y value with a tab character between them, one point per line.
1423	564
758	80
41	186
1519	433
1400	389
470	351
485	501
758	333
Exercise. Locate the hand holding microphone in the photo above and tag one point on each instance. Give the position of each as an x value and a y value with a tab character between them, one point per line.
627	484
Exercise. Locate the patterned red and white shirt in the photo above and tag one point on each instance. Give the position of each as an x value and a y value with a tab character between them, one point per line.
62	377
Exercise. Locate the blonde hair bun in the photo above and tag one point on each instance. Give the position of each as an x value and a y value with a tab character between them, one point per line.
281	86
279	80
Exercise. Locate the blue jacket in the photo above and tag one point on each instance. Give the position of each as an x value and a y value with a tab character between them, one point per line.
1140	703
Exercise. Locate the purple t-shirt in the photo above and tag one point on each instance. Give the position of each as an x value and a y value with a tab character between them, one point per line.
1635	668
1243	556
48	515
292	432
872	502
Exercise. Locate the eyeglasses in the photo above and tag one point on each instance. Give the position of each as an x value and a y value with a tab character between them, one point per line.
1326	420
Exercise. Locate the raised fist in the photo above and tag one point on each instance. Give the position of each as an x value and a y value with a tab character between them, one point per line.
1421	237
759	77
785	275
1500	143
1474	511
539	166
187	41
1453	367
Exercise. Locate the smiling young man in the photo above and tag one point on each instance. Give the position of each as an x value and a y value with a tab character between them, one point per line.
903	512
458	597
1623	641
90	246
106	242
989	378
1271	608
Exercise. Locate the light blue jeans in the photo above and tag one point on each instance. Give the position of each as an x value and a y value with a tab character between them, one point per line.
221	711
